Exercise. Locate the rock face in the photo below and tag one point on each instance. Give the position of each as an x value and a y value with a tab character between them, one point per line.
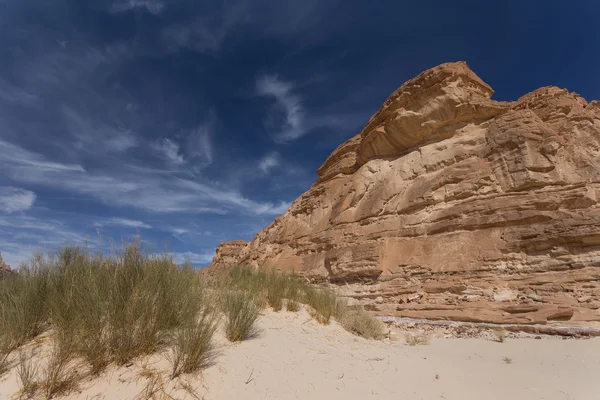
227	255
450	205
4	268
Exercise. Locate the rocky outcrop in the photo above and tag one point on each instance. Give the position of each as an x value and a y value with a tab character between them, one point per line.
4	268
226	255
450	205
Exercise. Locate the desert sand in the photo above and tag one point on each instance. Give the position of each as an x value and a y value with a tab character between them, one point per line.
293	357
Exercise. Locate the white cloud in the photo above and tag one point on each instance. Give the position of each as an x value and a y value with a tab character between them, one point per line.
169	151
22	235
194	258
199	147
14	199
153	6
130	187
16	156
88	136
287	103
130	223
207	31
268	162
178	231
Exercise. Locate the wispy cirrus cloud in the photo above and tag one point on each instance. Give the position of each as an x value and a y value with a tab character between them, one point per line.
13	199
100	136
208	27
153	6
16	156
198	144
22	235
268	162
129	223
195	258
132	188
287	115
169	151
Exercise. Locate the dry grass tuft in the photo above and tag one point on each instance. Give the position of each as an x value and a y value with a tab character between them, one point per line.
268	286
241	313
417	339
5	363
58	378
324	303
500	334
292	305
276	287
192	347
361	323
27	373
102	309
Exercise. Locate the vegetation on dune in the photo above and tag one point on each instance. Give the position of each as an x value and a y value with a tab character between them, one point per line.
268	287
104	309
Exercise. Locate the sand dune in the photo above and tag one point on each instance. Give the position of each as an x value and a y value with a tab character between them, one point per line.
293	357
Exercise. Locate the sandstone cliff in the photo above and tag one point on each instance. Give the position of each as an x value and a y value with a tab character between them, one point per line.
450	205
4	268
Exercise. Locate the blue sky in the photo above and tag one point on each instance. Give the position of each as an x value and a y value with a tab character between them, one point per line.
193	122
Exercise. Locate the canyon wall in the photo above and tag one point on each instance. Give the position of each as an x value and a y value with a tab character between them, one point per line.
450	205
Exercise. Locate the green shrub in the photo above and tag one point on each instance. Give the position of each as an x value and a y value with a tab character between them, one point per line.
101	308
276	289
241	313
192	347
324	303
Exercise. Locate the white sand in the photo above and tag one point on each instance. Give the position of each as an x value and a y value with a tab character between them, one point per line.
296	358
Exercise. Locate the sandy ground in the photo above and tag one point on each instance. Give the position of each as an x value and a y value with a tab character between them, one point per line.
295	358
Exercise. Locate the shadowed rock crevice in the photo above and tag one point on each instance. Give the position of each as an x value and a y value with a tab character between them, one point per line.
450	205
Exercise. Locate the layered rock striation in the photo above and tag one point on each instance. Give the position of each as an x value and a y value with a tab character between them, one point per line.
450	205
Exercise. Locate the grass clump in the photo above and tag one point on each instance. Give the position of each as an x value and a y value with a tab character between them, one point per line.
292	305
361	323
325	304
246	287
192	347
276	284
27	373
102	309
417	339
5	364
500	334
241	313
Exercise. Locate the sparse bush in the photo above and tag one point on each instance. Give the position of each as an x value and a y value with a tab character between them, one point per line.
101	308
27	372
4	358
192	347
58	378
241	313
507	360
417	339
500	334
276	288
23	312
292	305
324	303
361	323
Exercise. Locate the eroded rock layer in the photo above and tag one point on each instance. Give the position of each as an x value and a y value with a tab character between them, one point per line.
450	205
